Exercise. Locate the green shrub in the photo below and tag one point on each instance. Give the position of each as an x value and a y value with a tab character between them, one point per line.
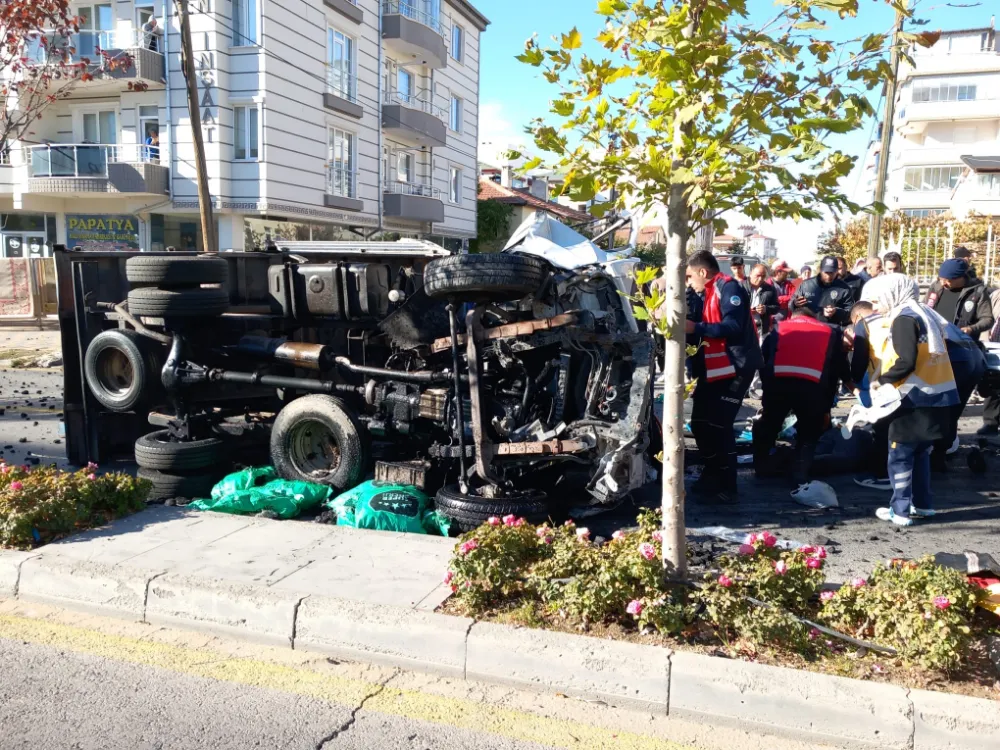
41	505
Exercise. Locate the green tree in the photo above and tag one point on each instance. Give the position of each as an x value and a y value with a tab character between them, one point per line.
492	226
708	114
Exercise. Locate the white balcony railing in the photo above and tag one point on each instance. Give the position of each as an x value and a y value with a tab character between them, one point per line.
86	159
340	81
415	10
42	45
413	188
341	181
421	100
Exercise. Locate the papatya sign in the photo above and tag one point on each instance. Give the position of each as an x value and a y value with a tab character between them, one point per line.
102	232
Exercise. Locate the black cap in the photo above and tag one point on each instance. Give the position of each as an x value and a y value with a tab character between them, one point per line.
828	265
962	252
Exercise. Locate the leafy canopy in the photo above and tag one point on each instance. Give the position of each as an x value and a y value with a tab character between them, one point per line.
753	106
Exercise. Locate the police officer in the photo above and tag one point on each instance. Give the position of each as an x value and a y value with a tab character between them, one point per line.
826	295
960	298
804	361
724	365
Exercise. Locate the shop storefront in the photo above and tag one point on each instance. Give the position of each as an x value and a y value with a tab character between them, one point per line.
102	232
24	235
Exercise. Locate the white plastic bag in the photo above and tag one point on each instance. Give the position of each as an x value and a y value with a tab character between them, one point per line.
818	495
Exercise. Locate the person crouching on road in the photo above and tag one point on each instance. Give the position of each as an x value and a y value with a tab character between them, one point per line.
803	363
724	365
909	352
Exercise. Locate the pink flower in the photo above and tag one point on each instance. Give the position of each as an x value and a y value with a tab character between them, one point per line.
91	465
928	616
468	546
814	634
448	578
493	521
91	477
658	536
827	596
942	602
5	469
635	607
569	523
618	535
751	539
807	550
814	563
781	567
858	583
583	534
510	521
747	550
725	581
821	553
769	539
16	486
546	540
542	531
647	550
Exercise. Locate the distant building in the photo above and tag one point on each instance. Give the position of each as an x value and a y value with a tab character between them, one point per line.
526	204
722	242
765	248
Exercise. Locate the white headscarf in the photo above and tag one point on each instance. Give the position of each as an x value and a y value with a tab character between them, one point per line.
894	293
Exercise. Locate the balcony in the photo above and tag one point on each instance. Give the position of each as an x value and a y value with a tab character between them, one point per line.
342	189
85	169
914	116
946	63
413	35
412	201
112	56
413	119
341	93
8	177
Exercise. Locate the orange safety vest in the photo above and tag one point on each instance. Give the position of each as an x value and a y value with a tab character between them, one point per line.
803	343
718	366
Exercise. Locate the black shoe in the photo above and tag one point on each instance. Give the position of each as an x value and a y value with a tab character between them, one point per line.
988	429
706	484
976	461
938	463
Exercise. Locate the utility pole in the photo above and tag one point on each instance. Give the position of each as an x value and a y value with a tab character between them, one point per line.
889	89
187	66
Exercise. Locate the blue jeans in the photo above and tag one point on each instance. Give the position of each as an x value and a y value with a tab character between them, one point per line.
910	474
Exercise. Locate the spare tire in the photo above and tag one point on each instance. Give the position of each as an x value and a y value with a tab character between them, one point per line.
178	303
119	369
319	439
169	486
159	451
487	277
471	511
173	271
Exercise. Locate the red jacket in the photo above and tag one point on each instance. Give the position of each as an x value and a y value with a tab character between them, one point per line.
718	366
803	348
786	290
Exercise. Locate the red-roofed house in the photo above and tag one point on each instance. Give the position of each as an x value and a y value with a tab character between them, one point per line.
526	205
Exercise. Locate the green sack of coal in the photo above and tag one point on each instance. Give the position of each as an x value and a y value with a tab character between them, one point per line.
388	507
248	479
284	498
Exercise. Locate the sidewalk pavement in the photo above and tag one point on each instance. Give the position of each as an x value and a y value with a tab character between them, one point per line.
370	596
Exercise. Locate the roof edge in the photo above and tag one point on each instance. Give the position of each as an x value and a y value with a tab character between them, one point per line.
466	7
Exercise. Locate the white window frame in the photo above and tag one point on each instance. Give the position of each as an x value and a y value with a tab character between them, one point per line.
350	46
456	114
410	159
457	54
352	158
251	19
248	107
95	109
953	169
455	188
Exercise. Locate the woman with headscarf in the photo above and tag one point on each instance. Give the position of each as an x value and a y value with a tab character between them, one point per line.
908	351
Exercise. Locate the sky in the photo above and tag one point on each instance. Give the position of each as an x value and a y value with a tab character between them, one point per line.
511	93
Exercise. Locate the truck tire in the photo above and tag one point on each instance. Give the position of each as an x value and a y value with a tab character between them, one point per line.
178	303
494	277
158	451
119	369
471	511
170	486
318	439
176	272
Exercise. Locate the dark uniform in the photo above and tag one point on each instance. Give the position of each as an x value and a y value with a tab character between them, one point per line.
818	296
724	365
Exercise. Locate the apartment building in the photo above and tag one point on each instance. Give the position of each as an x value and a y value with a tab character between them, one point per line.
945	148
322	119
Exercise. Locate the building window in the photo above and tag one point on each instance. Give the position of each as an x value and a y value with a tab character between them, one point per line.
455	185
340	64
246	135
923	213
404	167
456	114
929	179
343	179
244	23
944	91
457	42
989	186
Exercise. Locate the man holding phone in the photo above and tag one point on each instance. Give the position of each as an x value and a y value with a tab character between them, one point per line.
826	295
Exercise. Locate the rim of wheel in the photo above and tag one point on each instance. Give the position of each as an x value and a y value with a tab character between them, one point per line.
114	371
313	449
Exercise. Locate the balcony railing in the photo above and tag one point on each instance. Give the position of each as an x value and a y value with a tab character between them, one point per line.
413	188
340	81
341	181
83	44
87	159
411	11
421	100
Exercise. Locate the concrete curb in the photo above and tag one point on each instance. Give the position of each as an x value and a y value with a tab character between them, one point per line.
806	706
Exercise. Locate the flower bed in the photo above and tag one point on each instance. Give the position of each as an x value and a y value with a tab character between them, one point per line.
45	504
763	603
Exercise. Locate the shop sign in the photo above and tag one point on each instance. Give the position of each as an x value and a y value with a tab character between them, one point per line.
102	232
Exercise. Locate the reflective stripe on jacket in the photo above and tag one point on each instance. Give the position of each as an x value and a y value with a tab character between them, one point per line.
803	344
932	382
718	366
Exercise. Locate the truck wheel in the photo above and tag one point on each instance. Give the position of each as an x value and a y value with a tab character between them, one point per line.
493	277
158	451
176	272
178	303
318	439
118	371
169	486
471	511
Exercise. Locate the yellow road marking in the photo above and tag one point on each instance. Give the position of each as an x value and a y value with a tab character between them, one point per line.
409	704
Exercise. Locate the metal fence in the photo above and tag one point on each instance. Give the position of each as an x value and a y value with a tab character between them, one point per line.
924	250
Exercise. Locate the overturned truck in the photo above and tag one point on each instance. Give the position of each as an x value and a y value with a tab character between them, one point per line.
516	382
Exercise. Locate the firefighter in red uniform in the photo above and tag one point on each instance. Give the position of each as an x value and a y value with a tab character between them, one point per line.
804	361
724	366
